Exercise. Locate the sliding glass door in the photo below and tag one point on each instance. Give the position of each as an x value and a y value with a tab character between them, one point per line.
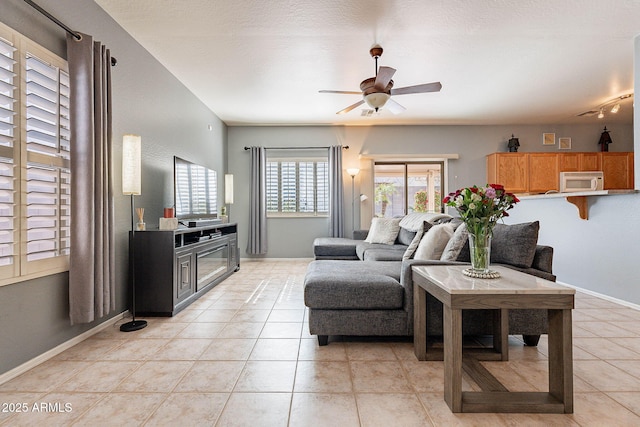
402	188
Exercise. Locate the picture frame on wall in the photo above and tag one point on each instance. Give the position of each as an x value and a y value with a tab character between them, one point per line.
548	139
564	143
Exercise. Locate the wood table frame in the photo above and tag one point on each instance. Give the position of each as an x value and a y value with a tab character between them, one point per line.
498	295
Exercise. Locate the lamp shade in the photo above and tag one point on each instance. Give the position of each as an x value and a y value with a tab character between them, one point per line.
131	164
353	171
228	189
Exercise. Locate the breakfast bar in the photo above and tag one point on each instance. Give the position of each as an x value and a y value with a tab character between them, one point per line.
512	290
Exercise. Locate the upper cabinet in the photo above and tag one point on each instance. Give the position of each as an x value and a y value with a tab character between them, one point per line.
540	172
510	170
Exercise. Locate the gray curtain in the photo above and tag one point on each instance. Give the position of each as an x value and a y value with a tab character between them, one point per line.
91	271
336	192
258	202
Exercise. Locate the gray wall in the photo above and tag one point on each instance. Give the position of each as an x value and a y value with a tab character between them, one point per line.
294	237
148	101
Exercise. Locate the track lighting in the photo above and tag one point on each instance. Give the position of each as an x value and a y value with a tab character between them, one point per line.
601	114
612	106
615	108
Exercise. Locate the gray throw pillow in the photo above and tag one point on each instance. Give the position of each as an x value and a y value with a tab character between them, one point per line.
455	244
408	254
405	237
515	244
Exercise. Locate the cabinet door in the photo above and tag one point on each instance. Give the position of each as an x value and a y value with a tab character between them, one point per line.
184	285
569	162
543	172
509	169
590	161
618	171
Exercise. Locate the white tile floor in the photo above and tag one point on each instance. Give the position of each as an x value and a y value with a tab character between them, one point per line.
242	355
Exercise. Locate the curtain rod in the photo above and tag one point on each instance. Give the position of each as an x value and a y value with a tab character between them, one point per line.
60	24
346	147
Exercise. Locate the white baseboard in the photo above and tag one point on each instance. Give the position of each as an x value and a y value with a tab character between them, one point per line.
603	296
18	370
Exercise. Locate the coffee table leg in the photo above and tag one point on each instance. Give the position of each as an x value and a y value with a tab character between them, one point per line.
501	332
452	325
419	322
561	358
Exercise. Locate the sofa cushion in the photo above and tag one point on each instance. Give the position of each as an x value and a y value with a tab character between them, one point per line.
383	230
515	244
434	241
456	243
384	254
334	248
363	247
353	285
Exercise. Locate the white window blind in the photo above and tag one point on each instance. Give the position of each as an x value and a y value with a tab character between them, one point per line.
34	160
297	187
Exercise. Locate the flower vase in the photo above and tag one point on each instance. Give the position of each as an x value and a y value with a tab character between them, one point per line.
480	251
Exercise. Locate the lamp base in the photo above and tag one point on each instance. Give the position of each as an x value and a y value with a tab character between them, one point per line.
134	325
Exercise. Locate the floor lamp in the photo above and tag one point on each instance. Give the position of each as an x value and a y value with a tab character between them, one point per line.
353	172
131	185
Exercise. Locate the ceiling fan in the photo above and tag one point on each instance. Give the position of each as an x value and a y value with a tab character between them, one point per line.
377	91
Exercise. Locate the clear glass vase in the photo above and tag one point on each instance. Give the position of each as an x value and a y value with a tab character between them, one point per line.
480	250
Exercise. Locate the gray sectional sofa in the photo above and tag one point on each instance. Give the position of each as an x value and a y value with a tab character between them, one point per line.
367	289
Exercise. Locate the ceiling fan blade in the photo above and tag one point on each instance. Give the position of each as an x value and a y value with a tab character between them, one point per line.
351	107
427	87
394	107
340	91
384	77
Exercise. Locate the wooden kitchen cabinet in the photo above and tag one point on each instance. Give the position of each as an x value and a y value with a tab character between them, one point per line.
543	172
510	170
618	170
540	172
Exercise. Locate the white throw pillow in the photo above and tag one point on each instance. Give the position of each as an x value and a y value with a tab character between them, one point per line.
434	241
455	244
383	230
411	249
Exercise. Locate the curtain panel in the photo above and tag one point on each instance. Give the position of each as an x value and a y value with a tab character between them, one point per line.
92	261
257	244
336	192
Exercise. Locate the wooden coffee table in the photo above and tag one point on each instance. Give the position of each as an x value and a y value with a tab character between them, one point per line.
514	289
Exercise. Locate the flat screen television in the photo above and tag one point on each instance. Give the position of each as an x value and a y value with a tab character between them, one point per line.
195	190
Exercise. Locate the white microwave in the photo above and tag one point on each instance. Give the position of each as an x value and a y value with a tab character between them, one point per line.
581	181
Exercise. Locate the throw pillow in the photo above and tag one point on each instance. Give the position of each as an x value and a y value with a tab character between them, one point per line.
434	241
515	244
455	244
411	249
405	237
383	230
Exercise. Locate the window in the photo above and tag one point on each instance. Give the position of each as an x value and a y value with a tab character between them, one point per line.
34	160
402	188
298	187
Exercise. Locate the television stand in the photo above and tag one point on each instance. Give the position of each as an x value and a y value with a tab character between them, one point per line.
174	268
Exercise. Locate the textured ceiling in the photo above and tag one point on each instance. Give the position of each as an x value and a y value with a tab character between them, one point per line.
499	61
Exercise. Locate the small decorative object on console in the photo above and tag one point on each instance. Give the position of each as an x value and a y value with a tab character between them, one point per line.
605	140
140	226
480	208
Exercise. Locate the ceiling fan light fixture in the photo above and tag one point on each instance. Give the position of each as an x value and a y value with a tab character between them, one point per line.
376	100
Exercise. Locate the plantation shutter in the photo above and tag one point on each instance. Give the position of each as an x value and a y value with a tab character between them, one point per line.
322	190
273	186
48	174
289	185
8	117
307	187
